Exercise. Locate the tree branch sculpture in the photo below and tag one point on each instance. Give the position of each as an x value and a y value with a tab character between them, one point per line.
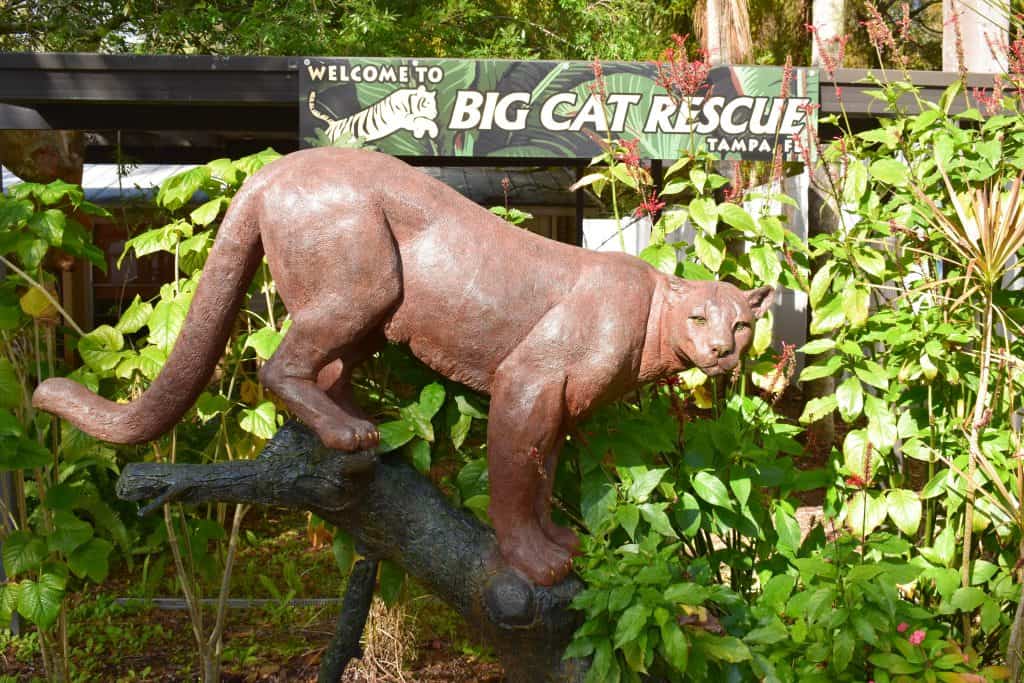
393	513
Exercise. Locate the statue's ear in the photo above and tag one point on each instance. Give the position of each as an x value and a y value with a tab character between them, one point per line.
761	300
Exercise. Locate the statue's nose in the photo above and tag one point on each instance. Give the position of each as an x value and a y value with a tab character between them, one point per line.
721	348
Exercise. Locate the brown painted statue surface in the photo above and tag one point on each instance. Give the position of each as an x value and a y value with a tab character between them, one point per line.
365	249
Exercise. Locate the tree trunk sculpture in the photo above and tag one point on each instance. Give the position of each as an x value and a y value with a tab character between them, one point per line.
393	513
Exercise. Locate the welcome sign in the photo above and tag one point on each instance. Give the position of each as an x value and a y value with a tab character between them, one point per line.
547	110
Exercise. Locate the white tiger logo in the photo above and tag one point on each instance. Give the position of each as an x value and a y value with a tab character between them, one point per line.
412	109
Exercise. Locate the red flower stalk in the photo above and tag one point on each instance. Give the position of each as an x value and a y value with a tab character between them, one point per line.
682	76
630	155
904	22
649	205
879	32
990	100
787	77
831	51
598	86
954	20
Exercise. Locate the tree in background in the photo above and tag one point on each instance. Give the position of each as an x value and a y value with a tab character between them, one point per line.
551	29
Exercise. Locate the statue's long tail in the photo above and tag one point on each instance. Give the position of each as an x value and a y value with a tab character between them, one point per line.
233	260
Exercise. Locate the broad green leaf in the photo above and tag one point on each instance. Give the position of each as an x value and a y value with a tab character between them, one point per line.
152	241
828	317
628	517
209	405
687	594
675	646
149	361
260	421
710	251
91	560
14	213
765	263
827	368
778	589
431	399
177	190
135	316
22	551
788	530
53	192
9	425
390	581
69	532
166	321
467	408
344	551
264	342
967	599
864	513
460	430
22	453
820	284
420	422
8	601
39	602
904	510
631	623
36	304
818	346
723	648
872	373
49	226
419	452
31	252
737	217
817	408
687	514
394	435
661	256
704	213
842	649
225	169
773	229
654	514
208	212
856	182
11	391
850	399
642	482
856	303
870	261
101	348
773	632
856	457
710	488
762	334
889	171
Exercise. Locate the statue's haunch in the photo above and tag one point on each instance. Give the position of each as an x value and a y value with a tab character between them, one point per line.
365	249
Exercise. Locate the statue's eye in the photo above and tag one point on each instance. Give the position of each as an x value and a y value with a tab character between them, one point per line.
698	319
741	325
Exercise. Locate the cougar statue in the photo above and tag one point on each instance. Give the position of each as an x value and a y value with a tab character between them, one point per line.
364	249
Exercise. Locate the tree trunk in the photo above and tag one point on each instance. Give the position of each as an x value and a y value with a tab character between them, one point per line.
393	513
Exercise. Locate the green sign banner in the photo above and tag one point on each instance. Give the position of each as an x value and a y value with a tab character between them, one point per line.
548	110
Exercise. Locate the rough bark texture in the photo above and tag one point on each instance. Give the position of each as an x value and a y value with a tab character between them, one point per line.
393	513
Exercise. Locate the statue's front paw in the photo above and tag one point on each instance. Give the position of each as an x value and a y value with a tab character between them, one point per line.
530	551
355	435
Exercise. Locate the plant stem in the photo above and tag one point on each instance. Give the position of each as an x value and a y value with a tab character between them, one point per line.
974	453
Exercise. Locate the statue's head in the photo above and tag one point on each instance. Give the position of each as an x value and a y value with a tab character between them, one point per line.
713	322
